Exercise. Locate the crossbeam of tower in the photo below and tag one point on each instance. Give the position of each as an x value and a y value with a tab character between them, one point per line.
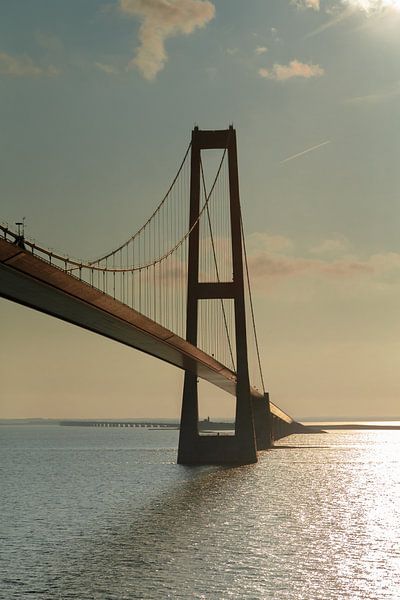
242	447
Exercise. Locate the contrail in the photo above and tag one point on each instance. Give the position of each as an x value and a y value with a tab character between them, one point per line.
345	14
305	151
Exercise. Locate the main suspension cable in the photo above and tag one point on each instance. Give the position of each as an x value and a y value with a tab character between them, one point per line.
251	305
156	211
132	268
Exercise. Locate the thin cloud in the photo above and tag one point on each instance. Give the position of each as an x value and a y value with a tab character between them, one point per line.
23	66
306	151
264	242
352	7
161	20
376	97
294	69
174	271
107	69
372	6
314	4
261	50
269	266
335	20
330	246
274	33
270	260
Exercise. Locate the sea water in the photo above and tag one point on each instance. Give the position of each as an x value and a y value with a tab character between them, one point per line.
95	513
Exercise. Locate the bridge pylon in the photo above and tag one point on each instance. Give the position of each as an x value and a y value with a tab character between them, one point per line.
194	448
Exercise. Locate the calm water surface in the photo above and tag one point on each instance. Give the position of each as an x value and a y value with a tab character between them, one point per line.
106	514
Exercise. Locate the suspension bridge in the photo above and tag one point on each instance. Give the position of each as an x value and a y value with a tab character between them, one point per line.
177	289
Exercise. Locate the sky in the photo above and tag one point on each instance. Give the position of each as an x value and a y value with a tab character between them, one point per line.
97	101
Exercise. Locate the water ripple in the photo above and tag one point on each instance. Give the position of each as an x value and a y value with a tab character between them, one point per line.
109	515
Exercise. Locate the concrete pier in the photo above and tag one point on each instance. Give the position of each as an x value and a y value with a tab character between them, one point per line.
262	422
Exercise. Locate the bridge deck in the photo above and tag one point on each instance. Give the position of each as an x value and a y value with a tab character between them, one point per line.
33	282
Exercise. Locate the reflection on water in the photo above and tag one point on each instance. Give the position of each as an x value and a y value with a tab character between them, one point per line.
107	514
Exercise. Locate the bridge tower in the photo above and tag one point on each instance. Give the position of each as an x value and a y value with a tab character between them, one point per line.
193	447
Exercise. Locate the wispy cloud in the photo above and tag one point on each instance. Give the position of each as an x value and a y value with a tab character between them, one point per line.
261	50
345	9
174	271
274	258
274	33
264	242
314	4
337	18
306	151
160	20
376	97
269	266
372	6
107	69
266	268
23	66
330	246
294	69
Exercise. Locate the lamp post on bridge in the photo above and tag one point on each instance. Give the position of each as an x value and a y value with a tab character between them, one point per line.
19	240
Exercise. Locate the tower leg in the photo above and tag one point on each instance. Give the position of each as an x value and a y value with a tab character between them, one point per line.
188	432
262	422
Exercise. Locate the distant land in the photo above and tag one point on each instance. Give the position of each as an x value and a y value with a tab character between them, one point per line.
218	423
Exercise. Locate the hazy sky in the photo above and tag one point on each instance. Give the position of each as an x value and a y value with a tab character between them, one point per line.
97	102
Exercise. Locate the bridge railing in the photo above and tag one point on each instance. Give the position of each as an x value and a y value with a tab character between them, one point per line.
58	260
73	267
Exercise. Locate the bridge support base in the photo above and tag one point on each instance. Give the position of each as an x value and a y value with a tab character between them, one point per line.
262	422
196	449
215	450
